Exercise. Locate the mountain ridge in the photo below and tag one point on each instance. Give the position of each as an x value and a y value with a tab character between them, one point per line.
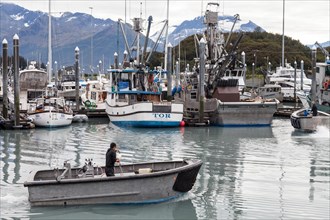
79	29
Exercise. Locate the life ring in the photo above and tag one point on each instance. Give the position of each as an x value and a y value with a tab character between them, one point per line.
325	85
87	103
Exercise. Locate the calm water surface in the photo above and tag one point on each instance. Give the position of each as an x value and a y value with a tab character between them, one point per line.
248	173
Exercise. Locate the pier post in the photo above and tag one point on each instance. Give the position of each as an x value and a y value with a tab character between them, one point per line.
313	97
302	75
295	82
77	77
177	74
244	63
116	60
56	75
202	44
253	75
16	80
169	72
5	77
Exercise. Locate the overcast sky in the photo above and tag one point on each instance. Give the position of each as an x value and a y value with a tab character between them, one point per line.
305	20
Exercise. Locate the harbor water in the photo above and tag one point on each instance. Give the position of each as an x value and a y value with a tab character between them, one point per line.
248	173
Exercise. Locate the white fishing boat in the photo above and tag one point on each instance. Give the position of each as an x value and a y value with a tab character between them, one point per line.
67	87
95	95
127	105
268	91
32	83
50	112
322	88
289	73
289	87
135	98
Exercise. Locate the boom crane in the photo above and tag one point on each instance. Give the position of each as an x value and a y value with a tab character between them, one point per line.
326	53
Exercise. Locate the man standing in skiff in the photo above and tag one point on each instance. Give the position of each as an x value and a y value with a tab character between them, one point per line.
111	159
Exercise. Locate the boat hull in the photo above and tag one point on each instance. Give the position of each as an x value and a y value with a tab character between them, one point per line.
51	119
238	114
125	188
146	115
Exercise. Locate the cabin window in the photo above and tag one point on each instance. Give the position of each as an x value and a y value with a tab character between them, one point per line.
193	95
327	70
122	97
132	99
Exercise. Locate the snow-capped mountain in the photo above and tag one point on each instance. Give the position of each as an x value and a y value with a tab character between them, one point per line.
70	30
197	26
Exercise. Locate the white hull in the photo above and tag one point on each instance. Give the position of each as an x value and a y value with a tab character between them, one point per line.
51	119
50	112
146	114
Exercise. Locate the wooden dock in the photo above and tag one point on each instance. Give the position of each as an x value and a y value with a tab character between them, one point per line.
92	113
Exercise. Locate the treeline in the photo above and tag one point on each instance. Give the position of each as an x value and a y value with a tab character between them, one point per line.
261	48
22	63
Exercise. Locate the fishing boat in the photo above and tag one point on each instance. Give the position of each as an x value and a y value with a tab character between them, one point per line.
132	184
32	84
213	97
289	87
128	105
268	91
95	94
322	91
135	97
304	120
67	87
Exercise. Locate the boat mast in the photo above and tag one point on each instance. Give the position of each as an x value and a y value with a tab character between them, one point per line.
49	69
166	36
283	34
91	65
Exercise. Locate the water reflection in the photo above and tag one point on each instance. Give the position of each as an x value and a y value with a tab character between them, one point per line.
176	209
270	171
220	149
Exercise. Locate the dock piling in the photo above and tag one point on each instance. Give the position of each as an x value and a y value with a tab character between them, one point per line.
313	73
169	72
16	80
5	77
77	77
202	44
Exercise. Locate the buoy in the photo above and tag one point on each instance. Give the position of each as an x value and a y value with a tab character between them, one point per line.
182	123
